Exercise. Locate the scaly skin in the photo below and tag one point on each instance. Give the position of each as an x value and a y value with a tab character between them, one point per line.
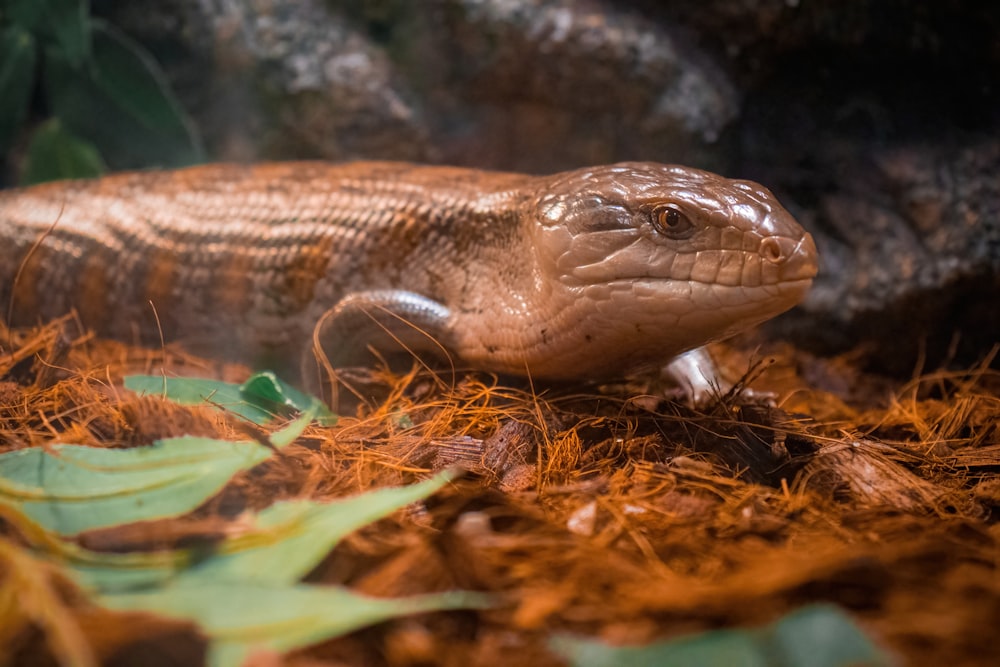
583	274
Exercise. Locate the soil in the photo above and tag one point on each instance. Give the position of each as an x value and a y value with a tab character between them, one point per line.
612	512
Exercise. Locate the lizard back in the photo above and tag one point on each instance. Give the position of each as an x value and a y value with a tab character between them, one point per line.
237	259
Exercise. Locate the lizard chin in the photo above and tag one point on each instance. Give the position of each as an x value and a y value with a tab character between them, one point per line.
637	325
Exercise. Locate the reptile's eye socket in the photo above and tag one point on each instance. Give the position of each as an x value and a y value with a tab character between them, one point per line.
670	222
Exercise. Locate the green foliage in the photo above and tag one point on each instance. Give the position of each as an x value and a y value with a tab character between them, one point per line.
244	592
63	23
71	488
108	99
291	537
239	618
56	153
17	71
277	546
262	397
816	636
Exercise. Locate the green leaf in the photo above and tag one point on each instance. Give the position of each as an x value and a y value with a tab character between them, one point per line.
114	572
30	598
70	488
291	538
17	78
55	153
823	636
815	636
290	433
281	544
142	567
132	78
70	24
720	650
266	388
239	617
199	391
26	14
66	23
259	399
121	102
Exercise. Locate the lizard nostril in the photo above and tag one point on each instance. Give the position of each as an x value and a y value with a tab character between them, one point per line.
771	250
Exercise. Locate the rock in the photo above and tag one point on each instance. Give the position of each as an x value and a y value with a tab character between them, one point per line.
910	257
544	85
279	80
875	122
515	84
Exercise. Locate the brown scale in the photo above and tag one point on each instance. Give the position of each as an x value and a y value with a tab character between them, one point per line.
309	265
91	296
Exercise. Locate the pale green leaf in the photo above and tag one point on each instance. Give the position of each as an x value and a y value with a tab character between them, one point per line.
823	636
199	391
290	433
280	545
130	569
724	650
259	399
291	538
70	488
816	636
239	617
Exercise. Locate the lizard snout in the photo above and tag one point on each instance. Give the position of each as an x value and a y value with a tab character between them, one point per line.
795	259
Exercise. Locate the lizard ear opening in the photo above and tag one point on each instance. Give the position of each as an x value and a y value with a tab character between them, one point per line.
584	213
600	217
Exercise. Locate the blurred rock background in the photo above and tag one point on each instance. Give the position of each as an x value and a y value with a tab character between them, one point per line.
876	122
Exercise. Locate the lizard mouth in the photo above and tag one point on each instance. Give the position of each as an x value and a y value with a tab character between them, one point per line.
691	295
776	261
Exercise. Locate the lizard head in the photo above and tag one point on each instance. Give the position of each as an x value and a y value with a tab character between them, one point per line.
649	260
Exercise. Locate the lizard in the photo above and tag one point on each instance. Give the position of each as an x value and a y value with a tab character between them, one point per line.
596	273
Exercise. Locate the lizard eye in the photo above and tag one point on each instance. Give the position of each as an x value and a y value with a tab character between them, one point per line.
670	222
